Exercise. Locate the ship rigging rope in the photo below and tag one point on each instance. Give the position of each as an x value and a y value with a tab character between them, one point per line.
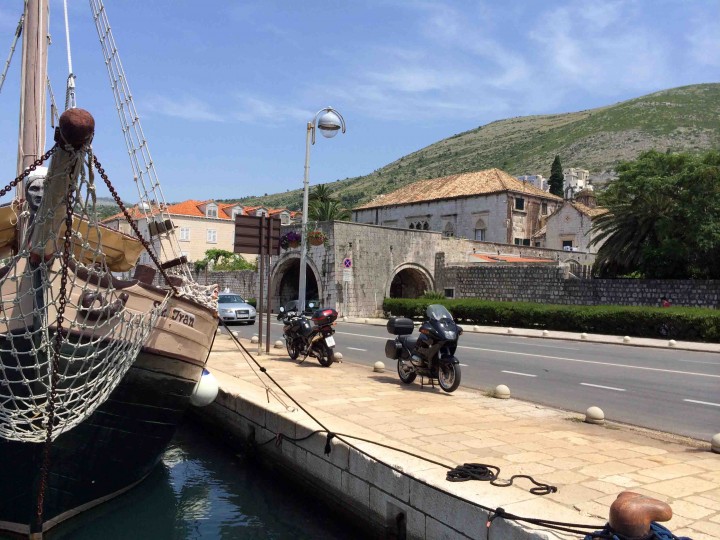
68	332
18	33
153	206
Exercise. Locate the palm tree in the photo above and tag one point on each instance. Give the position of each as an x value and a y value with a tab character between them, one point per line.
322	206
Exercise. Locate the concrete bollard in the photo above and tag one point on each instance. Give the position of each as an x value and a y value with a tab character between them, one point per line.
594	415
672	343
631	514
379	367
546	333
626	339
338	356
254	339
583	336
715	443
501	392
279	344
476	328
510	330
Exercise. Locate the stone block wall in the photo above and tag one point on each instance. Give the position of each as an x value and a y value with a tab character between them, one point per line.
242	282
554	285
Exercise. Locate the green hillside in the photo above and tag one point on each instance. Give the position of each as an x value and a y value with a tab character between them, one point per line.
679	119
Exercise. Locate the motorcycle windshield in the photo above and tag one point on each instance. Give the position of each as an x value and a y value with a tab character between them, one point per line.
438	312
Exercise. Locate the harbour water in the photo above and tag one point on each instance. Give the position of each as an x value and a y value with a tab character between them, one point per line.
203	490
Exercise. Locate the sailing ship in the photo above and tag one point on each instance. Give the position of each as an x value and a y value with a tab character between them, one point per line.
96	372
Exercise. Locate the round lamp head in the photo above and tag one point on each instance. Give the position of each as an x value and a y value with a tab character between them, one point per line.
329	124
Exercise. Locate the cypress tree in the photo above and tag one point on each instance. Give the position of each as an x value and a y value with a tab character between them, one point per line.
557	178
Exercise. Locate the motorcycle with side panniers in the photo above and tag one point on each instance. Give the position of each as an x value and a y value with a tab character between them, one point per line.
309	336
431	354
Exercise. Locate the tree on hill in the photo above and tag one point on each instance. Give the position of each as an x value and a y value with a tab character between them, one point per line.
557	178
663	220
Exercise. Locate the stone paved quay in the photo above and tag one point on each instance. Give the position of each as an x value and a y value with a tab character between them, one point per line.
589	464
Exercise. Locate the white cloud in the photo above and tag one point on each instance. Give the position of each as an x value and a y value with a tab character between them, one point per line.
255	110
187	108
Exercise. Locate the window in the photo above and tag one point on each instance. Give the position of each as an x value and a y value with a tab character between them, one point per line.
518	241
567	243
526	242
449	230
543	208
211	212
185	234
212	236
284	219
236	212
519	203
426	226
480	229
449	292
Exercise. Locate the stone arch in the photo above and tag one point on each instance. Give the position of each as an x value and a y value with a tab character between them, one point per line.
409	280
285	280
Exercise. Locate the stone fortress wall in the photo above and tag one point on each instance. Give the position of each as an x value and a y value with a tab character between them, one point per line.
378	254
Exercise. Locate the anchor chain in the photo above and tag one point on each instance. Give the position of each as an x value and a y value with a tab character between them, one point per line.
57	344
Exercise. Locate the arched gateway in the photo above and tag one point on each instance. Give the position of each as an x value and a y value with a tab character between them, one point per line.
409	281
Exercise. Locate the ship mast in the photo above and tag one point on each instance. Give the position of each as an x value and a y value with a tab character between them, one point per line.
33	81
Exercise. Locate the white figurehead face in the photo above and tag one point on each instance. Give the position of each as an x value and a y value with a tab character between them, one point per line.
35	188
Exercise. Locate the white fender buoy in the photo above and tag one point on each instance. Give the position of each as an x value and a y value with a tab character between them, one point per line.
205	391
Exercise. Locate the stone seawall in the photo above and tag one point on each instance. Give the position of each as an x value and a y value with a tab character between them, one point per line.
388	503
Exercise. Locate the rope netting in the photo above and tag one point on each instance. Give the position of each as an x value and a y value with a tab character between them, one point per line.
68	333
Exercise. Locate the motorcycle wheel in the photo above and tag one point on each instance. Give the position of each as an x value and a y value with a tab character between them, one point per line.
326	356
292	349
449	376
406	375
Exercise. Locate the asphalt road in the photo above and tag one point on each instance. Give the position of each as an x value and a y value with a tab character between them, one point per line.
669	390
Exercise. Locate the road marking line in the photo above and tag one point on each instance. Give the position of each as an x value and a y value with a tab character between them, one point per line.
603	387
518	373
544	346
564	359
466	365
596	362
354	349
702	402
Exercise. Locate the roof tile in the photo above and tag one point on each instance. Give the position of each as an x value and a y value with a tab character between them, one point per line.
455	186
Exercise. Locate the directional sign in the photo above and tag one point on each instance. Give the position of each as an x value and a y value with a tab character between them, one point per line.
347	262
248	235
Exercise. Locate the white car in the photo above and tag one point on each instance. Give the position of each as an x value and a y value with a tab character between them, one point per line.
233	309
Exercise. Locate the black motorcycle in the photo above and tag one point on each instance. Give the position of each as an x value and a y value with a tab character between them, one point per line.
432	353
309	336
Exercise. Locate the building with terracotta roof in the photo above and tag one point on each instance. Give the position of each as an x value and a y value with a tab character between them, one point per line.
199	225
569	226
489	205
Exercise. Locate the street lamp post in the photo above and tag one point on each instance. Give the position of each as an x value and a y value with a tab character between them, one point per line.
329	122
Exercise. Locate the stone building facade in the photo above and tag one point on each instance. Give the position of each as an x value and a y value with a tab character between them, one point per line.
570	225
489	206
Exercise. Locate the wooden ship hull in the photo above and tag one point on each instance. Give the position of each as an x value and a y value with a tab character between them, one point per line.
124	438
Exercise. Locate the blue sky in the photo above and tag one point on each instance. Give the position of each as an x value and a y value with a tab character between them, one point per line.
225	88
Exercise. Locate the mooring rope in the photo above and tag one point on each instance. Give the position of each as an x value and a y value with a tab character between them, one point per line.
574	528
